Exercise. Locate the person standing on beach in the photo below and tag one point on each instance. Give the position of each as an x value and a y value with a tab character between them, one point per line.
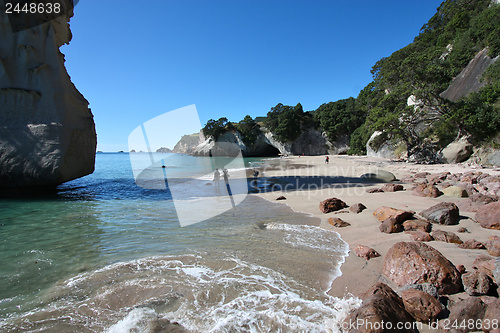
226	176
216	177
327	159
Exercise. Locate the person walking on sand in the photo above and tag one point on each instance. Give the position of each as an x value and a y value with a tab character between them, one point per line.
225	174
327	159
216	177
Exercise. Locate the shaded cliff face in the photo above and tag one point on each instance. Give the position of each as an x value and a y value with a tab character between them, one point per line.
469	79
47	131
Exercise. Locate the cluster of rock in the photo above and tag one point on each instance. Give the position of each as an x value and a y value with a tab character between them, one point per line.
421	276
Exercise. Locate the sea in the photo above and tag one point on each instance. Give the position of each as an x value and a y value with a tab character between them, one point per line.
103	254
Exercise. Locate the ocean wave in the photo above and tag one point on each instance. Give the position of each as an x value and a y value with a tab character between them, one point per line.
200	293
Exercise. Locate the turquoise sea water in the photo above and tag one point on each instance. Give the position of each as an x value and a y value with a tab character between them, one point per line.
104	254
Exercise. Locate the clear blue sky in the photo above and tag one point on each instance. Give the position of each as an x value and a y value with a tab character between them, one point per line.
135	60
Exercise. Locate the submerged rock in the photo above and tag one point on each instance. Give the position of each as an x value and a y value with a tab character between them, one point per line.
48	135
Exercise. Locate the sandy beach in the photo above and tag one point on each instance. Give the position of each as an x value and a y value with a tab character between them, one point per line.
313	181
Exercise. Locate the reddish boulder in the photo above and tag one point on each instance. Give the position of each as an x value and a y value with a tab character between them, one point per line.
426	191
492	313
380	305
472	244
374	190
415	262
420	236
443	213
383	213
365	252
485	264
412	225
461	269
463	230
477	283
446	236
470	310
390	226
339	223
422	306
392	187
488	216
357	208
331	205
493	246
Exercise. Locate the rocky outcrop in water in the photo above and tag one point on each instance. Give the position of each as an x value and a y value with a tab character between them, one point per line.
47	131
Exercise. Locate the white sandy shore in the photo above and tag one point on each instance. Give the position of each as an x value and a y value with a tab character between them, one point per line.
357	273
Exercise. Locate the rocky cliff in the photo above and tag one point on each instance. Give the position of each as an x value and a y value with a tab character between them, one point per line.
47	132
310	142
469	79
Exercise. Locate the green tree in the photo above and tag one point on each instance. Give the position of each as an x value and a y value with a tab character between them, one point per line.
215	128
249	130
284	121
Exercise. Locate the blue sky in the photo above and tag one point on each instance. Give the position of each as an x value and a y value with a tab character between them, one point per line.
135	60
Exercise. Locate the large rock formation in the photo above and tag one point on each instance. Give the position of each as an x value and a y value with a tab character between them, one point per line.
47	131
469	79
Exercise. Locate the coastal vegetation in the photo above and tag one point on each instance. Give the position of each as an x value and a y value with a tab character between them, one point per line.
405	100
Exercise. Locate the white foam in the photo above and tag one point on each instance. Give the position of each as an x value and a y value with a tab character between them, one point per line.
135	321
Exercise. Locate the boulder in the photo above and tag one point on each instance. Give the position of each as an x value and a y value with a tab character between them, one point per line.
383	213
47	134
281	197
365	252
423	190
477	283
487	265
488	216
443	213
446	236
415	262
374	190
379	175
357	208
428	288
392	187
472	244
457	151
455	192
331	205
412	225
420	236
493	247
492	313
339	223
461	269
422	306
472	308
390	226
380	304
463	230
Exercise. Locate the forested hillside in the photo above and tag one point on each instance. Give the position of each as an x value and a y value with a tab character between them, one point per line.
405	99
